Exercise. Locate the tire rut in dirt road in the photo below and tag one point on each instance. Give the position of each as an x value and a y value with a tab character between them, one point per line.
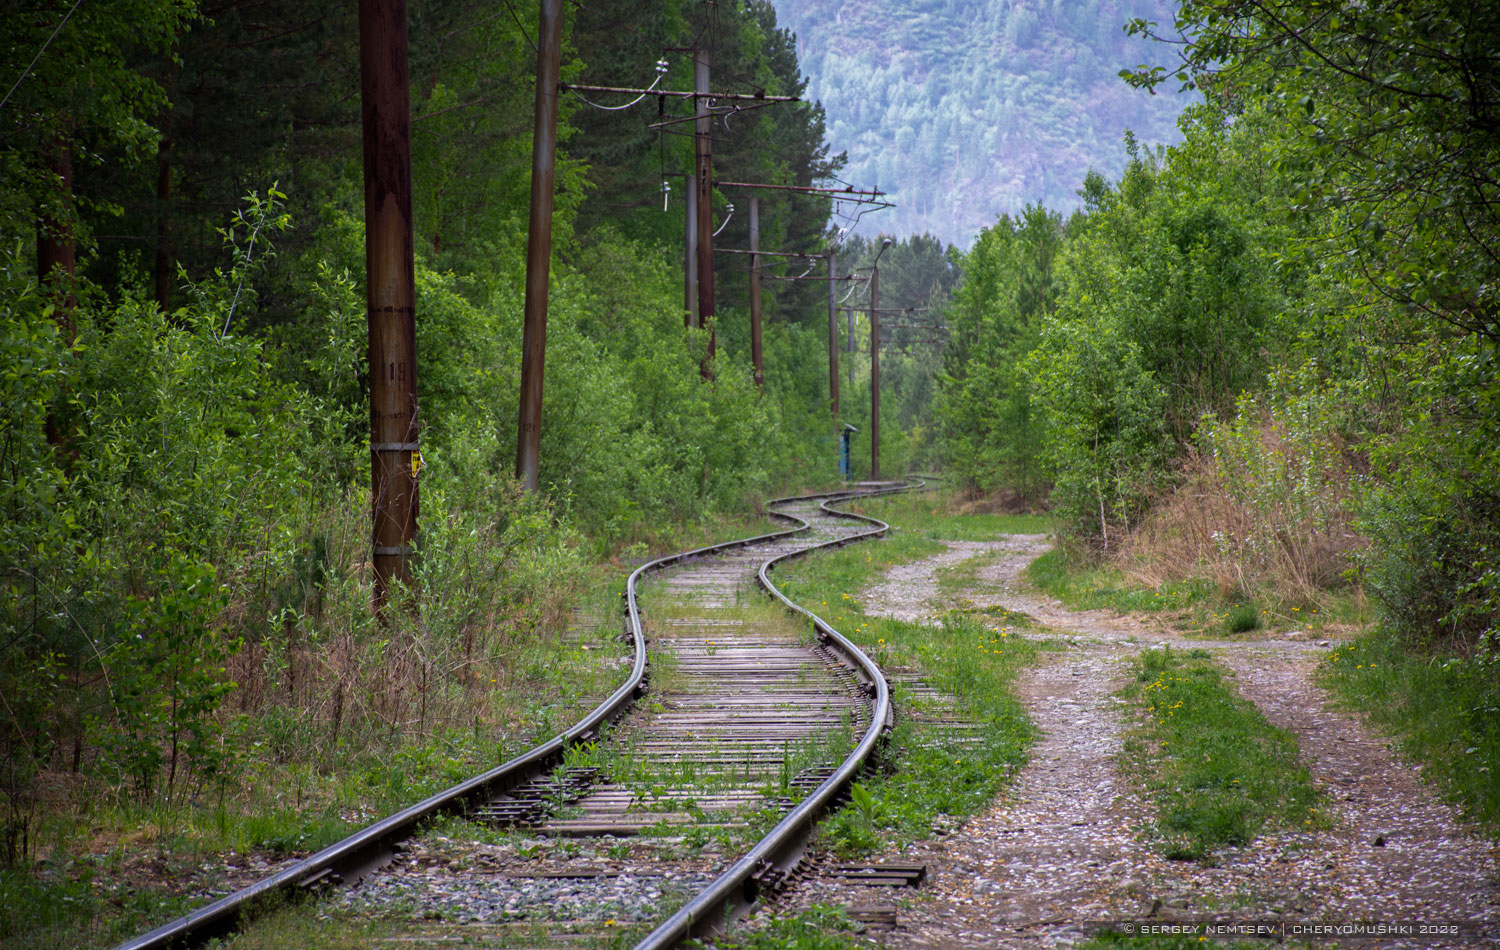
1396	851
1064	848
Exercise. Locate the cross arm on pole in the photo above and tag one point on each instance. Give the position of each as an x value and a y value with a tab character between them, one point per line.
673	94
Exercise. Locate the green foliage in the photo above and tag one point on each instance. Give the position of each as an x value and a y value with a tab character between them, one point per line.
1430	510
75	81
1242	618
1380	141
1104	445
168	677
1217	770
1382	119
990	435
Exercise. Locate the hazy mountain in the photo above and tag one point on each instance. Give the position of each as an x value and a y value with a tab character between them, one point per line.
963	109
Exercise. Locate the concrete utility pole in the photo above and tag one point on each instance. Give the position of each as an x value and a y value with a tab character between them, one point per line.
390	277
875	363
704	182
539	244
690	257
755	349
833	332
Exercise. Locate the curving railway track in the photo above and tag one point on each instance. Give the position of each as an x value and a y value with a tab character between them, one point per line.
682	799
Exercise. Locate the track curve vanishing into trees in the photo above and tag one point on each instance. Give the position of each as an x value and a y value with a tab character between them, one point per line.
753	710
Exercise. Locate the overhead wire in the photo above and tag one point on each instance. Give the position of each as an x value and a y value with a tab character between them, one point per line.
524	34
661	72
710	27
37	58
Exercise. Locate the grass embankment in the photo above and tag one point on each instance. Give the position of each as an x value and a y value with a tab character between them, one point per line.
1217	771
1443	711
1195	605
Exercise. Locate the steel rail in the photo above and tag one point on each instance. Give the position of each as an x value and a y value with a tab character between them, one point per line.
372	847
780	850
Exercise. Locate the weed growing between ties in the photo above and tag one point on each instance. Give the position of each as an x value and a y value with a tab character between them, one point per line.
1217	770
819	927
694	795
1445	712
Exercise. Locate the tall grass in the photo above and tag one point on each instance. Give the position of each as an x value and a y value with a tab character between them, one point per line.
1262	509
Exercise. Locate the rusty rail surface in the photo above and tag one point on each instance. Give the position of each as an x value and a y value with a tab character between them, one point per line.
351	859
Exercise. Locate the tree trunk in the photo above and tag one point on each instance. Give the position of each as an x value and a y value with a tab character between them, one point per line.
56	263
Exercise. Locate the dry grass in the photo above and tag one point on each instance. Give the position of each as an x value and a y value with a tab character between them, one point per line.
1262	514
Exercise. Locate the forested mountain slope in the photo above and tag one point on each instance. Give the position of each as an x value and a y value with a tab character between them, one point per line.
966	109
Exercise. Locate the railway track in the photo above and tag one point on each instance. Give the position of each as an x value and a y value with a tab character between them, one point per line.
682	799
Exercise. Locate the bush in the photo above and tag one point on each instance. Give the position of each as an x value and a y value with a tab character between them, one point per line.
1263	507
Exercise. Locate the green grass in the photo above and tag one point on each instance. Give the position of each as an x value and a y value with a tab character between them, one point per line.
1199	606
818	928
939	514
1217	771
1444	712
1082	585
932	775
1242	618
73	904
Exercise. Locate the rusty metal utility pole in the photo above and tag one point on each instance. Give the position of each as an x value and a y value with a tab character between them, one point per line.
875	363
702	128
690	257
833	332
539	244
390	276
755	349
